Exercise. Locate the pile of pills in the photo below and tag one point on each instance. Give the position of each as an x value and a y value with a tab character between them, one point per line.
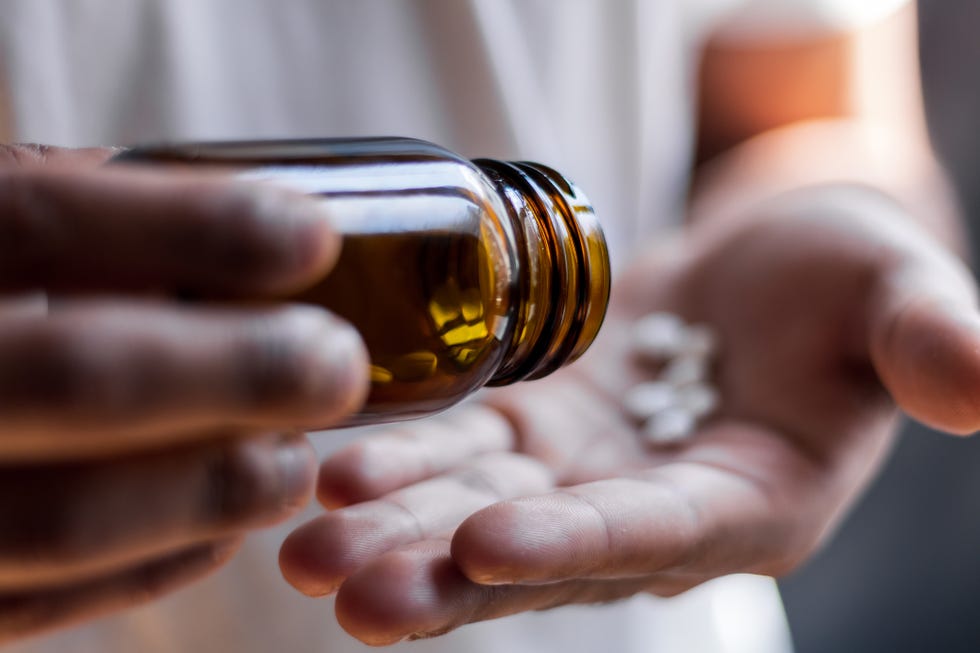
669	406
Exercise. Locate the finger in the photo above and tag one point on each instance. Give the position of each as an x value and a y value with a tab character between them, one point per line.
68	522
418	592
739	500
94	377
378	464
65	229
925	342
34	612
317	557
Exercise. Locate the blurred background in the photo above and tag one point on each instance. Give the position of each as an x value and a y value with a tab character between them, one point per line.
903	573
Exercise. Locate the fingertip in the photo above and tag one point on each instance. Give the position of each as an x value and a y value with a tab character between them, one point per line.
337	485
497	545
318	556
409	453
224	550
402	595
368	469
370	611
927	355
348	477
343	351
308	560
237	238
258	482
304	245
305	365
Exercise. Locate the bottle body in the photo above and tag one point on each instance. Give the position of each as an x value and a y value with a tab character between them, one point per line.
450	288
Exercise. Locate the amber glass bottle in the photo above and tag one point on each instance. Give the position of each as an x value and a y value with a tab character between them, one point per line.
457	273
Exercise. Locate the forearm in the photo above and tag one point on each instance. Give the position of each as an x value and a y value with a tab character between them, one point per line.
824	154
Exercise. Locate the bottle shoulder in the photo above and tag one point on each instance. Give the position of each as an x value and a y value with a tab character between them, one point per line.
334	166
333	153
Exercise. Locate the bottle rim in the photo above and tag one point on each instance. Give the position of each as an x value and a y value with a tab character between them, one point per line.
580	271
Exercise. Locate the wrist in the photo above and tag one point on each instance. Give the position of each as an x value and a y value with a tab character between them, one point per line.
820	158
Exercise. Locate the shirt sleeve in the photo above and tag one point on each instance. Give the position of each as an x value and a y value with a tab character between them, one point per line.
752	20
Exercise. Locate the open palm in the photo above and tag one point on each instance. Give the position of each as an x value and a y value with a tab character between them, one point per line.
544	495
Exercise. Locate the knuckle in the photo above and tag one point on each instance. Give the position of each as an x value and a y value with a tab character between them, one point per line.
53	529
483	481
55	370
508	474
76	369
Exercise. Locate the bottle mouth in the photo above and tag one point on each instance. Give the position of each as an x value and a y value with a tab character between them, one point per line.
573	272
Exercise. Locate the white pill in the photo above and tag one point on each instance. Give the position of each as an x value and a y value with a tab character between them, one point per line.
699	399
647	399
669	426
699	340
658	335
686	370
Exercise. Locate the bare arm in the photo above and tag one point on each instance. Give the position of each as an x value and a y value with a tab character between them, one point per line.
838	110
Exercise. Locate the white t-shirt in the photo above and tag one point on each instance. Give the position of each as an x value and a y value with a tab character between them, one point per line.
600	89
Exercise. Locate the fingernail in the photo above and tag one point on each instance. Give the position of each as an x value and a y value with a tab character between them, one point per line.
223	550
343	353
488	579
305	223
307	367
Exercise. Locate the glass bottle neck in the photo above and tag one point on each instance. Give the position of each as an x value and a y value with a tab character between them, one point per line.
564	269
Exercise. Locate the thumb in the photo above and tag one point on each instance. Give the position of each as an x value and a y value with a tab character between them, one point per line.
925	342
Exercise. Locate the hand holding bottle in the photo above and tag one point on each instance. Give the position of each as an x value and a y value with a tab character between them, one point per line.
140	437
831	307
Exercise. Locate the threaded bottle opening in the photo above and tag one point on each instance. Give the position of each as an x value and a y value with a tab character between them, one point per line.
565	269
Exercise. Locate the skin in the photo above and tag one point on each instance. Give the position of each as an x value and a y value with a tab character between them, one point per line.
141	437
820	247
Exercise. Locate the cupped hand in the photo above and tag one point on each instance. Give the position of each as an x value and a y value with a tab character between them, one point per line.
142	436
829	305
